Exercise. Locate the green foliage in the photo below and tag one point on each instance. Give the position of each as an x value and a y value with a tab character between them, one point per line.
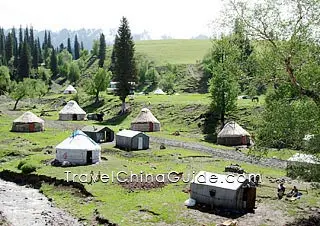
54	63
21	163
95	48
147	73
98	83
28	168
102	50
44	74
167	82
74	72
4	79
125	66
76	48
223	84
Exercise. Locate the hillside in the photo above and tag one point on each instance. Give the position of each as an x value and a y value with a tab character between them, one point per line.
174	51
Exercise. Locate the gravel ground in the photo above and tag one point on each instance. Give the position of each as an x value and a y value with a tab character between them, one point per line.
229	154
20	205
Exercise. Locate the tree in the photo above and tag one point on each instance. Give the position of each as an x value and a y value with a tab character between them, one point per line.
167	82
25	61
99	83
69	46
95	48
291	35
125	67
223	84
102	50
76	48
53	63
27	88
4	79
74	72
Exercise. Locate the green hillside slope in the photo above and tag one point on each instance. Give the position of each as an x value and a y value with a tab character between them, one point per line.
174	51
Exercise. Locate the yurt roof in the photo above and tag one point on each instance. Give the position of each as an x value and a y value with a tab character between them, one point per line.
79	141
72	108
128	133
216	180
159	91
28	117
70	88
232	129
145	116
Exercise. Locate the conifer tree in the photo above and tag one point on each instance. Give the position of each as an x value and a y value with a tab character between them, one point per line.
61	47
25	60
45	41
102	50
2	47
35	55
53	63
125	67
49	44
40	58
69	46
76	48
9	47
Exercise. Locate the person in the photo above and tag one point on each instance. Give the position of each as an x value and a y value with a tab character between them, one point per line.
294	192
281	190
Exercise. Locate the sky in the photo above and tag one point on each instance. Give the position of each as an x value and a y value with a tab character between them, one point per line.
175	18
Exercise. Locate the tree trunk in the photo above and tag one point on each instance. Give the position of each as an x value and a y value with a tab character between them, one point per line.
97	97
15	105
123	107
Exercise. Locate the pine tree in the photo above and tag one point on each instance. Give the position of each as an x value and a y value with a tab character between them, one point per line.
61	47
45	41
53	63
125	67
25	60
35	55
81	45
49	44
113	62
102	50
69	46
40	58
2	47
15	42
9	47
76	48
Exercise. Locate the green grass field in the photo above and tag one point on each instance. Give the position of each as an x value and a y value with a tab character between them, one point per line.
174	51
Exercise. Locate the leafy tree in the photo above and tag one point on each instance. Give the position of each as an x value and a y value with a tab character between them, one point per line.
74	73
4	79
223	84
69	46
27	88
167	82
76	48
99	83
54	63
95	48
102	50
44	74
124	67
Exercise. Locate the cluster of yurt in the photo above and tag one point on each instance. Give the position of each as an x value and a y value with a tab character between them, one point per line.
78	149
28	122
233	134
145	122
72	112
70	90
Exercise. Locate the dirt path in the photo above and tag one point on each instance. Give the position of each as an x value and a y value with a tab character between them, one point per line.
26	206
225	154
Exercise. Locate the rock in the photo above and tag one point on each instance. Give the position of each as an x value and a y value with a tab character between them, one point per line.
66	164
162	146
50	199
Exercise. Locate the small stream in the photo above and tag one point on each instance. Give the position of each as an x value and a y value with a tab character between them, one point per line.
26	206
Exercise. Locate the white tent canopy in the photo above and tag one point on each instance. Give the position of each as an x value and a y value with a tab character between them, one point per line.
159	92
28	117
232	129
72	111
79	148
69	90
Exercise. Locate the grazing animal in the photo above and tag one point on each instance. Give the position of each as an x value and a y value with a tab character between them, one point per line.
255	99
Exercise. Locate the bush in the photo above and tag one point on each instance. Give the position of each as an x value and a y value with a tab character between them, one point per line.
28	168
21	163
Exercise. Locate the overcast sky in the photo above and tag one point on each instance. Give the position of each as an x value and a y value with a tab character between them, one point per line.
175	18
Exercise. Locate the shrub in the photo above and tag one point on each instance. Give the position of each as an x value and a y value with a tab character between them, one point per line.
28	168
21	163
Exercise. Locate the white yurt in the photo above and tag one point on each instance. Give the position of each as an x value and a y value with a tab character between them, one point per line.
233	134
145	122
159	92
70	90
72	112
78	149
28	122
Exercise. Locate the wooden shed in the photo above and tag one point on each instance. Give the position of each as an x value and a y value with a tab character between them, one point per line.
132	140
217	190
99	134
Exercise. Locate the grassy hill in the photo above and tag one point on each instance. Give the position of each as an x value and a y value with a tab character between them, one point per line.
174	51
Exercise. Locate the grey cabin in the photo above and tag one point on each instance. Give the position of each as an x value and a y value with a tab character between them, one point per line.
132	140
99	134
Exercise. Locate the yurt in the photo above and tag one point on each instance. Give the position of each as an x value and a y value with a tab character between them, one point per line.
159	92
233	134
78	149
145	122
72	112
70	90
28	122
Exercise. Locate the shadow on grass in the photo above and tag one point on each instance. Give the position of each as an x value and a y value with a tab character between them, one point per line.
115	120
228	213
94	106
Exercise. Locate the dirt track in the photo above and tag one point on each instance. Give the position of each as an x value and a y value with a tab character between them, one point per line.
26	206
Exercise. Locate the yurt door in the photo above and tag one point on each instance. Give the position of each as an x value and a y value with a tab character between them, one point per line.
150	127
140	143
31	127
89	157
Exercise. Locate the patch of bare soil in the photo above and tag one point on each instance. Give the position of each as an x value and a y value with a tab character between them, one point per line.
148	181
313	220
